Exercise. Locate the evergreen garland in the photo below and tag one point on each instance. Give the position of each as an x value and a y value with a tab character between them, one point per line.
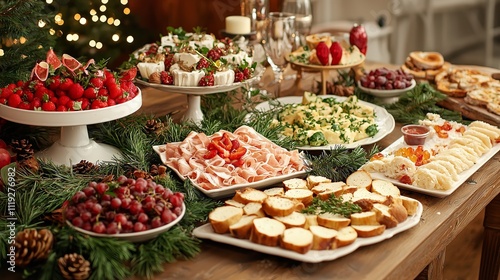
23	20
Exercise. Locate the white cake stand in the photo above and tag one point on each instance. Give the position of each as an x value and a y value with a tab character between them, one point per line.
74	144
194	94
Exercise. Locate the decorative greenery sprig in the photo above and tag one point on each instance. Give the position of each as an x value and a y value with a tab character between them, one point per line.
339	162
335	205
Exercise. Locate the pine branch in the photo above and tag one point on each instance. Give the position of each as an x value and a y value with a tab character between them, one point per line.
167	247
415	104
339	162
108	256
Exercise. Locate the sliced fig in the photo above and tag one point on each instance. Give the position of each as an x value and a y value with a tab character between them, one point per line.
53	60
70	62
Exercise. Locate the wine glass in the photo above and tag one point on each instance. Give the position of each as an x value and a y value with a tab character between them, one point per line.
257	11
303	18
278	43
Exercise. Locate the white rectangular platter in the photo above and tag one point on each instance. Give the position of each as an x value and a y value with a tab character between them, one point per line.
227	191
313	256
462	177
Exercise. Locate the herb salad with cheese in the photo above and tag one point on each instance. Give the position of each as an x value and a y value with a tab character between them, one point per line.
321	121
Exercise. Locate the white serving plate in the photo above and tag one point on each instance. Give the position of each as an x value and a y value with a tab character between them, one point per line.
230	190
462	177
313	256
387	93
384	120
136	236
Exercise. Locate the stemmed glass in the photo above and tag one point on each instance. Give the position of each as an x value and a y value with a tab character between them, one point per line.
303	18
278	43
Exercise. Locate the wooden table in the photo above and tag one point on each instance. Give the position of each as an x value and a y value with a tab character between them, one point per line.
417	251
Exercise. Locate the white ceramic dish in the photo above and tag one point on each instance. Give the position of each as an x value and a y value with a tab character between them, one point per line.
384	120
230	190
327	67
313	256
462	177
136	236
387	93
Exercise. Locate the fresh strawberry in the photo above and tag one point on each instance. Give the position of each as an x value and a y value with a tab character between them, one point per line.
27	95
97	82
84	103
90	93
49	106
98	103
61	108
73	105
35	103
114	91
63	100
3	100
25	105
111	102
323	53
336	52
358	37
14	100
53	82
247	72
54	99
129	75
103	92
207	80
59	92
75	91
166	78
66	84
6	92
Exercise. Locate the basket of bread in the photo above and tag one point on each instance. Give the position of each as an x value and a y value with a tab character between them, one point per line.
312	219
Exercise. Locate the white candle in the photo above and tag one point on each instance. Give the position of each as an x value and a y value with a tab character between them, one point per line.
238	25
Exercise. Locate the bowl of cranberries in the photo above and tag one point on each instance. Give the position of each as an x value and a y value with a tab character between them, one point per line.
386	83
134	210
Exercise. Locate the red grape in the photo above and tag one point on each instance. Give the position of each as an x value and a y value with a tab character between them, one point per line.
99	227
383	78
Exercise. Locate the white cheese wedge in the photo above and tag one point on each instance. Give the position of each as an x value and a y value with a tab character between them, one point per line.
187	79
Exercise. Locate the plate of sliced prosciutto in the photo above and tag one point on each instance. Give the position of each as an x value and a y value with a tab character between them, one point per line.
224	162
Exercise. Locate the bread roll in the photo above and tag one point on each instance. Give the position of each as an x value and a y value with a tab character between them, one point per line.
364	218
296	239
333	221
384	216
361	179
278	191
369	230
303	195
411	205
278	206
255	209
323	238
222	217
266	231
295	219
243	227
247	195
295	183
313	180
345	236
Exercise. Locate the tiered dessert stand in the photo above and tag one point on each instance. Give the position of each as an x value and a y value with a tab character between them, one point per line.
74	143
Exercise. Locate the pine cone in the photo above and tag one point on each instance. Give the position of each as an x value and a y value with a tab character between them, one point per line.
154	126
154	78
30	163
84	167
32	245
22	148
339	90
159	171
74	266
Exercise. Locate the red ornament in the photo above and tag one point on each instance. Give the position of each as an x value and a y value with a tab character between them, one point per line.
359	38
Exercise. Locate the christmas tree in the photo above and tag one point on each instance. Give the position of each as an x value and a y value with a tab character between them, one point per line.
25	37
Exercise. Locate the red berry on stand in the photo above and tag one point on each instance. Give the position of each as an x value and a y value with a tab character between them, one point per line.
323	53
49	106
14	100
75	91
336	53
207	80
